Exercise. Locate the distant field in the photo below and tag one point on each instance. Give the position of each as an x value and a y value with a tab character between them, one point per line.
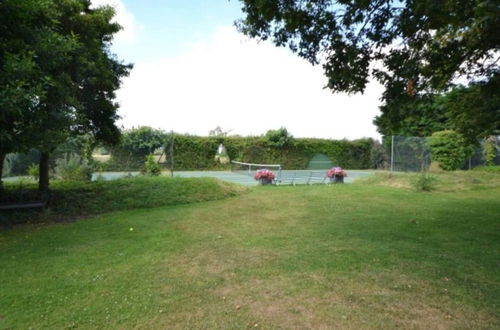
370	255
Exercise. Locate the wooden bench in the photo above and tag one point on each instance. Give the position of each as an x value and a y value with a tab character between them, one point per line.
23	205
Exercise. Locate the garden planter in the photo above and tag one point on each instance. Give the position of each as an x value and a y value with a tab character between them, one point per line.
265	181
264	176
337	179
336	175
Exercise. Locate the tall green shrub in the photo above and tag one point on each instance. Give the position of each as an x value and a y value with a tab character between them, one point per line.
490	152
34	171
151	167
449	149
73	167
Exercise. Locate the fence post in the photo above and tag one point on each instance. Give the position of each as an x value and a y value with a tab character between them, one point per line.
392	153
171	151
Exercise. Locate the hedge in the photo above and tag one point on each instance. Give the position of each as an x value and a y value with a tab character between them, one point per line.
198	153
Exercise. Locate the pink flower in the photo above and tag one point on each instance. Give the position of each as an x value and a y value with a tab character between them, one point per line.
336	171
264	174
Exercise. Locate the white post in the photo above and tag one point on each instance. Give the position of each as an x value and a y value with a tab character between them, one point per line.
392	153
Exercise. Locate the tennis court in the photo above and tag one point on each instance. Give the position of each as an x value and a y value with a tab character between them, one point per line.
248	180
301	176
244	179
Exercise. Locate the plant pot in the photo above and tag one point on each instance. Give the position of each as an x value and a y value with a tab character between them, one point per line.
265	181
337	179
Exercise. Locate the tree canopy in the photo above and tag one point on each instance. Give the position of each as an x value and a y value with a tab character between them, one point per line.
472	111
415	48
142	140
58	75
421	44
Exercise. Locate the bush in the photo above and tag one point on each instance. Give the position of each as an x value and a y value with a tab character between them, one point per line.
34	171
73	167
279	138
423	182
18	163
151	167
449	149
490	152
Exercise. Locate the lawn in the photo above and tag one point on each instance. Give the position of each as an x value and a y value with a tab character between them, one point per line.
346	256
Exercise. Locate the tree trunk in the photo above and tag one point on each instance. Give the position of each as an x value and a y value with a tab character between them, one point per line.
43	182
2	159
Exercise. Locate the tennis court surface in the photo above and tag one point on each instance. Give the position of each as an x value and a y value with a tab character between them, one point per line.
248	180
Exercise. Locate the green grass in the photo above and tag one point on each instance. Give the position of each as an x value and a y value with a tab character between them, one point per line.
70	200
342	256
492	168
441	181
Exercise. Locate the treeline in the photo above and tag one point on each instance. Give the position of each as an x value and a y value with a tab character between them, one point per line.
472	111
191	152
199	152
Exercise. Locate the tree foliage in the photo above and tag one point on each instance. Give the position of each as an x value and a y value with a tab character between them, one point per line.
415	48
449	149
490	151
73	167
421	44
58	76
142	141
279	137
421	116
472	111
219	131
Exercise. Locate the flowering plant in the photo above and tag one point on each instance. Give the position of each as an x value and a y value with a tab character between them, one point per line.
336	171
264	174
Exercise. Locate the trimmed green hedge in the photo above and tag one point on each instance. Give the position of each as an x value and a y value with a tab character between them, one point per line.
198	153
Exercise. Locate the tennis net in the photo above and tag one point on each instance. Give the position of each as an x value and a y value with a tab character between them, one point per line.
250	168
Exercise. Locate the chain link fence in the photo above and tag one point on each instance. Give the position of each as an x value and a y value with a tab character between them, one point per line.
397	153
413	154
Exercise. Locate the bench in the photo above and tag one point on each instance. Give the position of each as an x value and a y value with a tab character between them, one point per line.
317	177
303	177
23	205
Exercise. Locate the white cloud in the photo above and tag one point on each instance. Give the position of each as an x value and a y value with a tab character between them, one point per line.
123	17
249	87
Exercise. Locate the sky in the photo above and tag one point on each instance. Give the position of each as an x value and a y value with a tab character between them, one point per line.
193	71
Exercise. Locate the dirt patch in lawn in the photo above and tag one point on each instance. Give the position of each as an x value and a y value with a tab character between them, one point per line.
316	302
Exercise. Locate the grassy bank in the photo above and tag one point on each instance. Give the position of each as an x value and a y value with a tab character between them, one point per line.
441	181
71	200
348	256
